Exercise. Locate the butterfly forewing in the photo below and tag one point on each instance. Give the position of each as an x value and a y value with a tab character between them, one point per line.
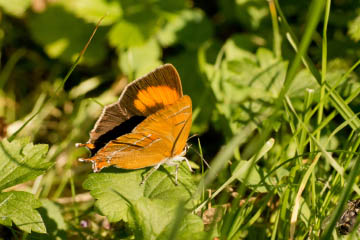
160	136
143	97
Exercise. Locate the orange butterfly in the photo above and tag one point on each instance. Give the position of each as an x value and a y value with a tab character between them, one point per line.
162	117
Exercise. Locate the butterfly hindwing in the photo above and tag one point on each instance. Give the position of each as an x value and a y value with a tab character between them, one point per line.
160	136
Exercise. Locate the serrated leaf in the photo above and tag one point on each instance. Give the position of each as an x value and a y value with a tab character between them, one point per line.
113	188
20	208
239	47
53	220
21	161
251	80
62	35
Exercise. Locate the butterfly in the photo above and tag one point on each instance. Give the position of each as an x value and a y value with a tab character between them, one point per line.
148	126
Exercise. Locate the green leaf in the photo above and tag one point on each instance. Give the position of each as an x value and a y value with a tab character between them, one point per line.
134	30
15	7
20	208
302	81
336	69
6	221
354	29
190	28
92	11
238	48
115	188
126	34
53	220
138	61
192	227
21	161
64	36
251	80
152	219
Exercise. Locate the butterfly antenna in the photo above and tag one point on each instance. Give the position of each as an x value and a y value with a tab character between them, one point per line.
189	146
192	136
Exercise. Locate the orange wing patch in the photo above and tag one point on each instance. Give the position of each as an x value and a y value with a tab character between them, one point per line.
152	96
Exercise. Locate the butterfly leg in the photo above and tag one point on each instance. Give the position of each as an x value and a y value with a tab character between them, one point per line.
187	162
177	168
151	171
176	161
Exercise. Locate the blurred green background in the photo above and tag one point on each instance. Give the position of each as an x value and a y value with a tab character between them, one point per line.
41	39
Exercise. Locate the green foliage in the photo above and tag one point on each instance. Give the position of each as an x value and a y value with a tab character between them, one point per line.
66	44
252	176
54	221
154	219
128	34
114	191
138	61
21	161
19	207
16	8
250	13
254	80
354	29
92	11
274	86
149	208
189	28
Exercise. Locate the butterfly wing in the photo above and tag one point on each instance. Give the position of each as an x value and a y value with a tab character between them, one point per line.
142	97
160	136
